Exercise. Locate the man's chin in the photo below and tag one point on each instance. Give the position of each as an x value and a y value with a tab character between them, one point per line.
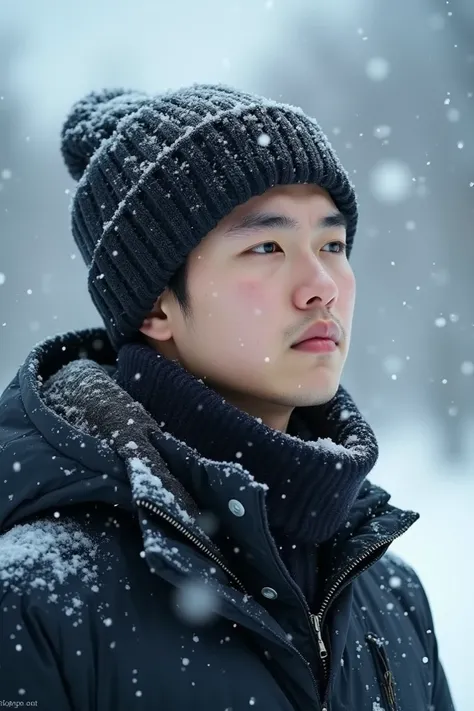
314	394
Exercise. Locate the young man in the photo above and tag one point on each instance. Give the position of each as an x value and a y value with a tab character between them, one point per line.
186	521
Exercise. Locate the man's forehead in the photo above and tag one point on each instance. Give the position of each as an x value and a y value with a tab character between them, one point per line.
279	200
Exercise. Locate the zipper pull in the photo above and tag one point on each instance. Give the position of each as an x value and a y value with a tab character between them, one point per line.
323	652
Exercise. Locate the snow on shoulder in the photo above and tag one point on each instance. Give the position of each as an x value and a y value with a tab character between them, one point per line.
44	554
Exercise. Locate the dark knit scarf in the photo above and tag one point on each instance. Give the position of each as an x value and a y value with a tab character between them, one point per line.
313	472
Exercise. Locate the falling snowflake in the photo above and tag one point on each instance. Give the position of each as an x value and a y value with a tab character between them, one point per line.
391	181
453	114
395	581
467	368
263	140
382	132
377	69
196	603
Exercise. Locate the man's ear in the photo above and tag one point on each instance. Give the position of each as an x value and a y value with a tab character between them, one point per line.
157	324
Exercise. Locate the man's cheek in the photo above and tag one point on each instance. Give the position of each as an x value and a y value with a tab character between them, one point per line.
251	294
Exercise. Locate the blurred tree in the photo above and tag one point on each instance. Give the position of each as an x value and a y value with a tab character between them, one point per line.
10	185
40	279
452	392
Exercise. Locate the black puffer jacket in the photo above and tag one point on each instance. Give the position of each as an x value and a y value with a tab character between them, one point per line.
114	597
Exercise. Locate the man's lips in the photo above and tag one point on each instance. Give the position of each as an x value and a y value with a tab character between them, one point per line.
321	331
316	345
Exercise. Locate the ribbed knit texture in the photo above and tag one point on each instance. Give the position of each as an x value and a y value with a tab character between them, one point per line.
157	173
312	484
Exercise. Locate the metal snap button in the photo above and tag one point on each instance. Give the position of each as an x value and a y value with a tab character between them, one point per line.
236	507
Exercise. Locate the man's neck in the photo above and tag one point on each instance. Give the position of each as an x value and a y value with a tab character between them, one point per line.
270	414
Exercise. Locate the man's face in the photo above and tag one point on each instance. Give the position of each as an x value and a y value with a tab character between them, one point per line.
254	290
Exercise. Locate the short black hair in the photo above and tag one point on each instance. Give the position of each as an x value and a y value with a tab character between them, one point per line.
178	285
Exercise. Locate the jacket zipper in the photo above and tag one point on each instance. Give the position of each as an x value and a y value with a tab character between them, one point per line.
323	652
191	537
383	670
336	589
143	503
316	620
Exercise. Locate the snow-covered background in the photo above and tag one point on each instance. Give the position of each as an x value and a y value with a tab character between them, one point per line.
392	85
439	545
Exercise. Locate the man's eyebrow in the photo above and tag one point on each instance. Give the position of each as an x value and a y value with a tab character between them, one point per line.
259	221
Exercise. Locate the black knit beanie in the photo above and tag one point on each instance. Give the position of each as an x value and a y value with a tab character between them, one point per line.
157	173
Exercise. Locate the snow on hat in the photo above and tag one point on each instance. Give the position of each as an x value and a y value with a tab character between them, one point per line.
157	173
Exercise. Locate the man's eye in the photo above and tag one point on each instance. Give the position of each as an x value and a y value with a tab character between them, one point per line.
338	247
265	248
